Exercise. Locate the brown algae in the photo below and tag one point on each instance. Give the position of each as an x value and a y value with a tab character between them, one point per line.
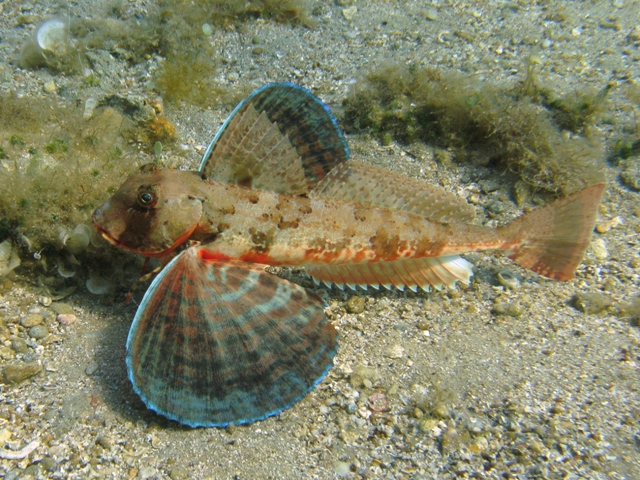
502	125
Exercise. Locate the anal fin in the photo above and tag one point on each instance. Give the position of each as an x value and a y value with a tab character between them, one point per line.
425	273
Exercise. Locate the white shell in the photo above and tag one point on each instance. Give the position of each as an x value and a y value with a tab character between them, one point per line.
76	241
98	285
51	36
8	257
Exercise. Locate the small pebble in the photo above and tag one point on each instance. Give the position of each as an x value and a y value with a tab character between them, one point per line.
606	226
599	248
18	372
342	469
50	86
44	301
378	402
510	309
31	320
394	351
350	13
89	106
179	473
91	368
431	14
355	305
207	29
38	332
594	302
66	318
18	345
5	436
61	308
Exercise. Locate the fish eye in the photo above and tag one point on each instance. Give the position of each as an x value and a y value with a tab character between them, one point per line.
147	199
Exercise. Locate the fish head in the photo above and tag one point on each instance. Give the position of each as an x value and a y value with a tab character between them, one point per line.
153	212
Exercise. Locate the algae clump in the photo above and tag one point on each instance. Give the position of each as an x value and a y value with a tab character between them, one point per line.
505	126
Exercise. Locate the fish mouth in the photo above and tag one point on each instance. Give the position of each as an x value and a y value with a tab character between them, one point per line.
109	238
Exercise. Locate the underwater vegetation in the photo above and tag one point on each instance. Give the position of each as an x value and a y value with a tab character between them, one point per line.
225	12
57	167
177	31
544	138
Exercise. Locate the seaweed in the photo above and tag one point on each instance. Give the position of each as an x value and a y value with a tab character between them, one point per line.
59	166
504	125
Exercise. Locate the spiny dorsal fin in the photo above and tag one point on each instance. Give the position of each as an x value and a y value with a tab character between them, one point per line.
424	273
371	186
281	138
253	153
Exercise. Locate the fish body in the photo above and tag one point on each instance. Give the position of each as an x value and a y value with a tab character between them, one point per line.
236	223
276	188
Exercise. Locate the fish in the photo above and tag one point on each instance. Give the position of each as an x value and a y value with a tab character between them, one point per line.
216	339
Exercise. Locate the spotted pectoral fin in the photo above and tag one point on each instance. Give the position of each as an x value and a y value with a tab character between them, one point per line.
424	273
216	343
281	139
368	185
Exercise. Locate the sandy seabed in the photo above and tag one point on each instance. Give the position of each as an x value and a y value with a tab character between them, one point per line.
547	392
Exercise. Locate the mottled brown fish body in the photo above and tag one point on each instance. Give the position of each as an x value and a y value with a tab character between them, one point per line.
277	229
157	210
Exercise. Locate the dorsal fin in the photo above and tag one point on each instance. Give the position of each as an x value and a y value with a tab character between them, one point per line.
281	138
367	185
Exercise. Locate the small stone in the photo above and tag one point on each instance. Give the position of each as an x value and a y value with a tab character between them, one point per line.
90	105
31	320
147	472
431	14
378	402
604	227
18	372
428	425
479	446
394	351
66	318
18	345
441	410
50	86
91	368
38	332
511	309
48	463
44	301
105	442
342	469
350	13
423	325
599	248
61	308
521	193
355	305
4	331
179	473
595	302
6	353
5	436
207	29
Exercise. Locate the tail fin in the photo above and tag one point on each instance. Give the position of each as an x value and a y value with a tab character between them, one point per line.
555	237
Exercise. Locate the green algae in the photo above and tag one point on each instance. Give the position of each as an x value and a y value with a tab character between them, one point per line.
546	140
61	169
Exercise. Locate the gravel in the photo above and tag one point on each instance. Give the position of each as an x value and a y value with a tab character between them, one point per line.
512	377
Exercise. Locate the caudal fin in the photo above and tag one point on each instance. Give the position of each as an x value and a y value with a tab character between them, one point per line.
555	237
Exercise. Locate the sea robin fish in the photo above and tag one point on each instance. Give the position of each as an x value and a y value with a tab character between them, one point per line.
216	339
